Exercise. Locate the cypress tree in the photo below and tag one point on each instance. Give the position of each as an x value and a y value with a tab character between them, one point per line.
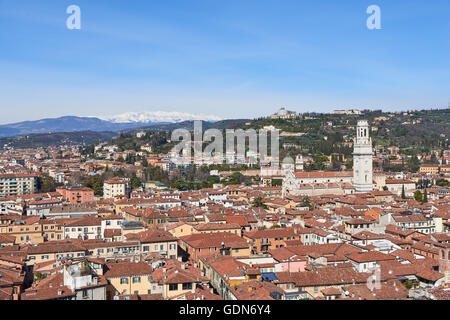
425	196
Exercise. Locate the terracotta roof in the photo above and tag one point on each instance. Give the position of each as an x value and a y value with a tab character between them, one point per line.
390	290
47	293
128	269
331	291
151	235
323	174
208	240
216	226
323	277
361	257
55	247
270	233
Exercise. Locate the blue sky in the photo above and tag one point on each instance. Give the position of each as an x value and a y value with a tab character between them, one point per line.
233	58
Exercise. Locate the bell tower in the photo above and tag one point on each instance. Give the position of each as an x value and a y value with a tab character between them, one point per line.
444	262
362	158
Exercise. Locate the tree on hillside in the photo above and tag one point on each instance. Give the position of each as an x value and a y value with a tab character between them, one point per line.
46	184
418	196
442	183
257	203
307	203
425	196
135	181
96	184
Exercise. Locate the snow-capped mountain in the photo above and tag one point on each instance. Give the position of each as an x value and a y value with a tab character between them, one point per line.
159	116
127	120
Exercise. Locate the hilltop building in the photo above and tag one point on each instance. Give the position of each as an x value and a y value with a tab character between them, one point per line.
284	114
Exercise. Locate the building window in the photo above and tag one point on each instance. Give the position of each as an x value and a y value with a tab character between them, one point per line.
187	286
124	281
173	286
136	279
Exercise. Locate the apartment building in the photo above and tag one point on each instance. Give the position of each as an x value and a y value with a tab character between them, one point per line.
223	243
116	187
76	195
17	184
112	249
130	277
417	223
176	279
54	250
269	239
89	227
156	241
356	225
429	168
26	230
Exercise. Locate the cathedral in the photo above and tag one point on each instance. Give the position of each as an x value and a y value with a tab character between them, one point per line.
297	182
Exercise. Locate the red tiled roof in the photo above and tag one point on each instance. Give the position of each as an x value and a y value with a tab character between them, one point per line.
128	269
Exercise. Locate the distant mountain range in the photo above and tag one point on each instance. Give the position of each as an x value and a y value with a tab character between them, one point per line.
113	124
87	137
